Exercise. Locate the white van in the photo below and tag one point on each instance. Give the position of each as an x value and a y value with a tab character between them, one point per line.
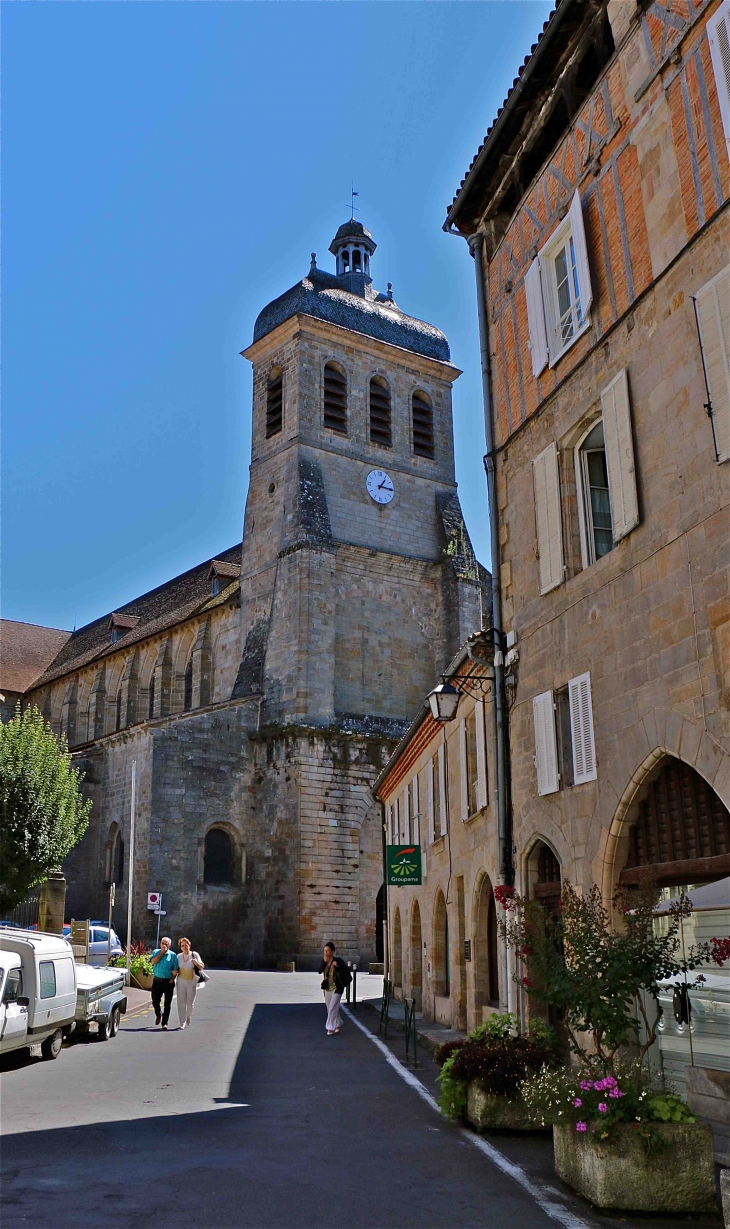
37	990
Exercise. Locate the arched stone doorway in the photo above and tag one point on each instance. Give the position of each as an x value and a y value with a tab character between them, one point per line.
441	962
379	920
544	879
486	953
416	957
397	952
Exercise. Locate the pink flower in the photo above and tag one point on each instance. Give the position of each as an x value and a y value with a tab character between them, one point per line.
602	1107
616	1092
586	1085
577	1102
609	1082
581	1126
599	1085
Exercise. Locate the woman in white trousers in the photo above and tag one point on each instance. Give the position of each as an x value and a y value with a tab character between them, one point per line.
188	963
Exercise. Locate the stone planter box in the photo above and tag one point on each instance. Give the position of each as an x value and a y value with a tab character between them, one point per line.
499	1113
142	981
680	1178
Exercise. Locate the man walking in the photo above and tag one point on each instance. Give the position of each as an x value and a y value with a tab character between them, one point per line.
336	978
164	971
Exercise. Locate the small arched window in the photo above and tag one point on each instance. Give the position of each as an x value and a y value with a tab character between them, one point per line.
274	402
188	686
151	707
381	429
345	258
596	498
119	710
218	866
335	398
422	416
356	261
115	855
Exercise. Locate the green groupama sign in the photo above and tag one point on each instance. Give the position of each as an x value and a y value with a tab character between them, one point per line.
404	865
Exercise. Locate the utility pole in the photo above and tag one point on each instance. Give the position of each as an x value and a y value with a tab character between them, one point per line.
130	876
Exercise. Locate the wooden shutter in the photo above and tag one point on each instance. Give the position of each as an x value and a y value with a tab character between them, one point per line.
431	804
481	756
415	819
406	815
463	770
546	750
577	229
581	728
443	814
547	519
718	32
620	457
536	317
713	317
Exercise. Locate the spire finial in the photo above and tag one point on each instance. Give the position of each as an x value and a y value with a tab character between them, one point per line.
313	266
353	194
390	291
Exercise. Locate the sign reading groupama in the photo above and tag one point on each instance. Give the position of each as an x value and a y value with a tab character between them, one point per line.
404	865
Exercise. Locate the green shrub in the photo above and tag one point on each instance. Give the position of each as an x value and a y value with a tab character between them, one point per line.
140	966
494	1057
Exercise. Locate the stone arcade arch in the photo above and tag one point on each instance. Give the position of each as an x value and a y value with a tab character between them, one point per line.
486	948
416	956
441	962
397	951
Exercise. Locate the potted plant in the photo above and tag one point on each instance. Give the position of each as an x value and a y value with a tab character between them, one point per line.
140	965
617	1140
481	1075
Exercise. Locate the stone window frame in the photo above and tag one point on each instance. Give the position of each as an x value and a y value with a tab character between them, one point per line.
429	394
343	435
239	860
388	377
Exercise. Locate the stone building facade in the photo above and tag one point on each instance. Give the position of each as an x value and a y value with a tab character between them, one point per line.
598	207
261	693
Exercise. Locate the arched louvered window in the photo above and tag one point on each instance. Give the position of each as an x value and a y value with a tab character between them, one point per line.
381	430
188	687
274	402
422	412
335	398
218	866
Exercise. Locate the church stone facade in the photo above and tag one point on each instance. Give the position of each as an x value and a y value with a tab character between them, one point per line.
261	693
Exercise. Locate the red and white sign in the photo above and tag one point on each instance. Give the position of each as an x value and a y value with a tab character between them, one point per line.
154	900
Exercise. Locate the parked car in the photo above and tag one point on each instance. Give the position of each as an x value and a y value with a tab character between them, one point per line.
98	942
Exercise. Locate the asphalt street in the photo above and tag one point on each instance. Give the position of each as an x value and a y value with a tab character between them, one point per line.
255	1118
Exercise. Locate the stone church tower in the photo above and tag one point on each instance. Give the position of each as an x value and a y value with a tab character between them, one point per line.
256	749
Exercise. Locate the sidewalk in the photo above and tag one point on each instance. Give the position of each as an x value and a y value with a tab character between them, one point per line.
137	999
429	1034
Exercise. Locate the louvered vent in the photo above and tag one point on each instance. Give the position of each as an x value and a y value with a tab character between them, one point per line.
381	431
423	445
335	399
274	402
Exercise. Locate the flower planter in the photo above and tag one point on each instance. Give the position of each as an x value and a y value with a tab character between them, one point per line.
679	1178
142	980
500	1113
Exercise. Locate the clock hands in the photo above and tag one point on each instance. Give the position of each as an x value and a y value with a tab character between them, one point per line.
387	484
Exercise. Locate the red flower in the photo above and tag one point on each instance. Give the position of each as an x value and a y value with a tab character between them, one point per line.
503	894
720	950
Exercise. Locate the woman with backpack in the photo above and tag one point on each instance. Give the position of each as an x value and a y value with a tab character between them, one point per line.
336	978
189	965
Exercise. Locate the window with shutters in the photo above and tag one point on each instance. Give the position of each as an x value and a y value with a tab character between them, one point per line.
274	402
581	726
546	751
472	774
548	520
608	501
558	291
595	501
381	428
718	33
422	418
712	304
335	398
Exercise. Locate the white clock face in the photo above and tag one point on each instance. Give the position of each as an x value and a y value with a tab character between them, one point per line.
380	486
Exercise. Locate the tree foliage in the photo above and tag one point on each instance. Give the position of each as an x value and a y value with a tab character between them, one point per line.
41	807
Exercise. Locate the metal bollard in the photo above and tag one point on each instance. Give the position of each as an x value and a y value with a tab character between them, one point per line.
347	989
354	987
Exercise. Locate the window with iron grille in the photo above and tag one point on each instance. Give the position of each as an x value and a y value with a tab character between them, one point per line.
274	402
422	411
381	431
335	398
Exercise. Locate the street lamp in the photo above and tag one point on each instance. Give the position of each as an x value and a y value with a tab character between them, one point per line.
444	701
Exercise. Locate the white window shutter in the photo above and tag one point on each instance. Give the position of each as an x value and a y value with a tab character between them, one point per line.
431	804
389	825
581	727
415	821
578	232
442	791
547	519
713	315
536	317
620	457
546	750
406	836
481	756
718	33
396	822
463	779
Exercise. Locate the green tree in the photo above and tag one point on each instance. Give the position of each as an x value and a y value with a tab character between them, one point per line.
43	813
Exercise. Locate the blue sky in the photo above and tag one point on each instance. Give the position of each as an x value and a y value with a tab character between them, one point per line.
167	170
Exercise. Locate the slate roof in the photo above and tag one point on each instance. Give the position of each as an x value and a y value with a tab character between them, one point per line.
161	608
26	650
520	83
353	304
